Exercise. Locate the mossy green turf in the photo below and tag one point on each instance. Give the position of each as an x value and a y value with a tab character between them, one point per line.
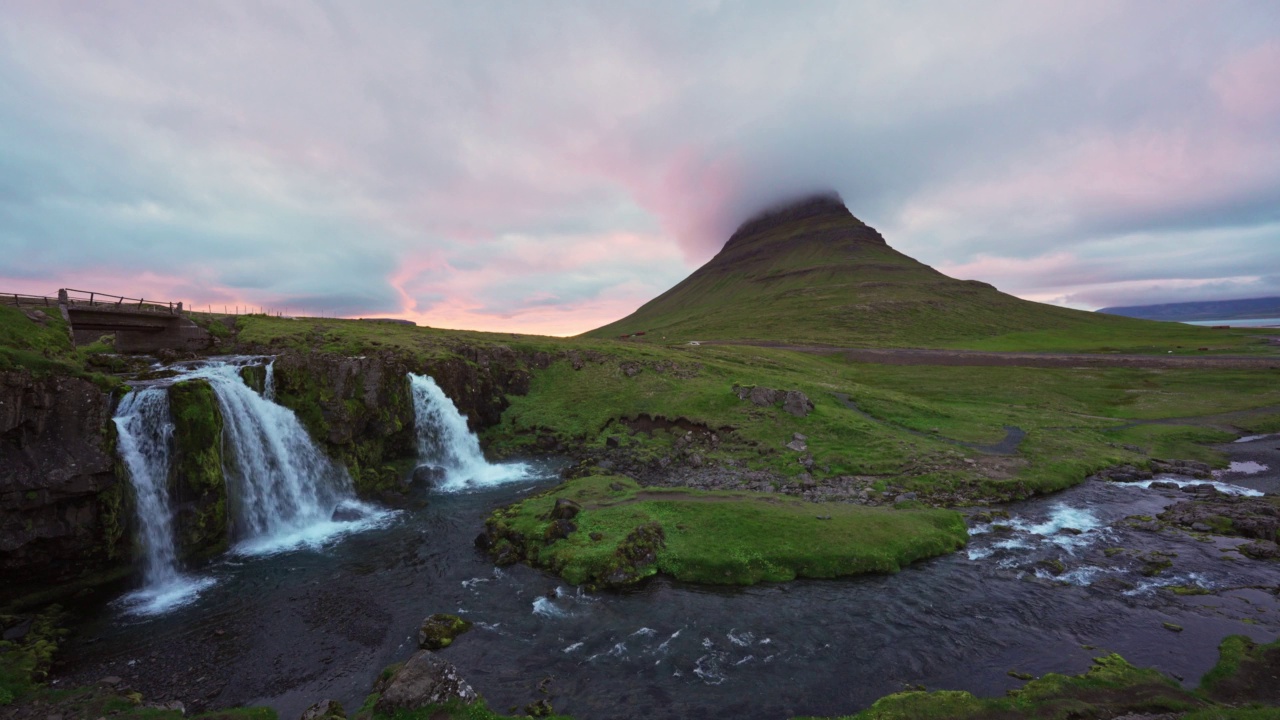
1111	687
726	537
45	347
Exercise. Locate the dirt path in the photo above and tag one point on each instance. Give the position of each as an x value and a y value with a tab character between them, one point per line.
913	356
676	495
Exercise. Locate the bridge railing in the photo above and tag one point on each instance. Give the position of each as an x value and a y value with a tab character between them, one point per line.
20	299
88	298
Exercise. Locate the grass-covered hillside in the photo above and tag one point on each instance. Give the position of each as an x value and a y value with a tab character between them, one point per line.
812	273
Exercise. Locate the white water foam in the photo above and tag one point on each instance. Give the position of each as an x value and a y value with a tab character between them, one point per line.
709	668
445	441
1224	488
1081	576
1147	587
547	608
1252	438
667	643
571	648
1247	467
1069	528
157	599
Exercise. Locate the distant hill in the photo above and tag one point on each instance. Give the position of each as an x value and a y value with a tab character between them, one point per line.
1267	307
810	272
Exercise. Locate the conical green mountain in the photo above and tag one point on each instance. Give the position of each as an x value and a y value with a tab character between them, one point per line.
810	272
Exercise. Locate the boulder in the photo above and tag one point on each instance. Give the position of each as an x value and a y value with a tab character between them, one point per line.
797	403
1261	550
324	710
797	445
423	680
439	630
559	530
428	475
565	509
763	396
346	513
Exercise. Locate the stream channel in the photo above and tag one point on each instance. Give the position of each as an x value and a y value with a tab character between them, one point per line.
291	628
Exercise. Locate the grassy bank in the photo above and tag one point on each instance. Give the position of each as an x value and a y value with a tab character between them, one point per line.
43	346
1239	687
624	533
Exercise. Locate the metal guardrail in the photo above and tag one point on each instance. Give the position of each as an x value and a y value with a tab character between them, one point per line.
117	302
18	299
93	299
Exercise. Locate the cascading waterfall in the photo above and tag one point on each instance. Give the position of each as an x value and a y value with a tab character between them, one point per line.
145	433
445	441
283	491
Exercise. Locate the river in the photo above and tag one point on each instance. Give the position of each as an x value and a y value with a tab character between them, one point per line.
292	628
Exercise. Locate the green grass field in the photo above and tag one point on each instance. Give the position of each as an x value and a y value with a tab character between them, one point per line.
721	537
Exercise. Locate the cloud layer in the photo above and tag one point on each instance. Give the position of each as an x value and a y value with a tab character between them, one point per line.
549	168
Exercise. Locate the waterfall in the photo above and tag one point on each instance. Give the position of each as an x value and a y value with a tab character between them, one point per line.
145	433
269	385
283	490
445	441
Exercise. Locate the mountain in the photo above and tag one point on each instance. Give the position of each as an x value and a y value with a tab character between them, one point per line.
1268	307
810	272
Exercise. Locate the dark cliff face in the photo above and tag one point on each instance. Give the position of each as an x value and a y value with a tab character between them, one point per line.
62	511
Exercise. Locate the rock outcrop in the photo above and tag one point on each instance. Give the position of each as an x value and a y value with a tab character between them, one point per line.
423	680
197	485
63	513
439	631
792	401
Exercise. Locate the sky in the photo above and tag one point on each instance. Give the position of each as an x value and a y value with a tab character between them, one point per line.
548	167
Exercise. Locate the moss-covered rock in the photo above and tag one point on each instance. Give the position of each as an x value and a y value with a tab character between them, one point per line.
358	409
439	630
24	663
197	483
255	376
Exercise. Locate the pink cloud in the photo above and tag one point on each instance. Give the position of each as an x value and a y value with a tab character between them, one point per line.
1248	84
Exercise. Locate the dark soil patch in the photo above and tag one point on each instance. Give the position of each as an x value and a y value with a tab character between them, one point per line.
645	423
1257	681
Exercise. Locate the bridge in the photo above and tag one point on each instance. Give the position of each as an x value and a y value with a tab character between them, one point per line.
139	325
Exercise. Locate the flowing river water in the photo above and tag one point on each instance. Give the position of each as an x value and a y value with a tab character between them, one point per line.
319	621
